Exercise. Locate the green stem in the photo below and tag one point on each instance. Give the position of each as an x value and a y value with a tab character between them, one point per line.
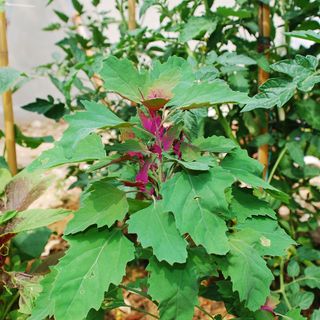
282	289
205	312
225	125
281	155
207	8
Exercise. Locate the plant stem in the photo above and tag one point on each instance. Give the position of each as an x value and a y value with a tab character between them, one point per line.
225	125
282	289
207	8
281	155
205	312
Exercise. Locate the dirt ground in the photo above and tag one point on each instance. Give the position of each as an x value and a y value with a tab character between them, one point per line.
59	195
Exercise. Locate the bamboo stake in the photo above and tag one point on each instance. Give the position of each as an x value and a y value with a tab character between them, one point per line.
264	44
132	14
7	100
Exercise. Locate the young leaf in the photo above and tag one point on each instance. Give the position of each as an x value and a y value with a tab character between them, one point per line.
197	95
249	273
94	260
156	228
196	201
81	124
312	277
175	288
123	78
102	204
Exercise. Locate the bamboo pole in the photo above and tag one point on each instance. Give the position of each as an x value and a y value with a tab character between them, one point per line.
7	100
132	14
263	46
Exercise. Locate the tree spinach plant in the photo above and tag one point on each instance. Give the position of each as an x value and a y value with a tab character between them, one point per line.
189	208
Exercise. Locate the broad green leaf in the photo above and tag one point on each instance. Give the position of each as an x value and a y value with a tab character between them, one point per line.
244	205
81	124
102	204
305	34
123	78
195	26
8	77
90	148
244	168
302	300
312	277
217	144
249	273
196	95
94	260
197	200
156	228
301	69
34	218
201	164
295	314
32	242
274	92
309	111
271	239
175	288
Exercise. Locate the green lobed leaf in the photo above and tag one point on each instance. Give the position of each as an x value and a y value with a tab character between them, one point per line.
8	77
197	202
309	111
312	277
196	95
81	124
295	314
102	204
302	300
244	205
123	78
315	315
175	288
274	92
94	260
156	228
249	273
90	148
271	239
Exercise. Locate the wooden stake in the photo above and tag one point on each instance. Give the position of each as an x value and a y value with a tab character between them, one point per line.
263	46
132	14
7	100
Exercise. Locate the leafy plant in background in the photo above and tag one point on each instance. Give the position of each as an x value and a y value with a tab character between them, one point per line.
166	199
